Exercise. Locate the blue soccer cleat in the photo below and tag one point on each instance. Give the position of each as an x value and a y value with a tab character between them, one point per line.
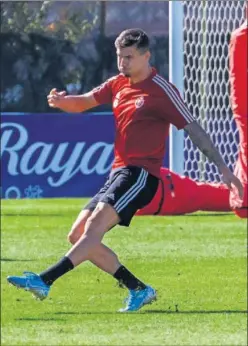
137	299
30	282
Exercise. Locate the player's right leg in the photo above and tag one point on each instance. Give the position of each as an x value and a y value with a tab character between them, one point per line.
32	282
77	228
102	256
140	293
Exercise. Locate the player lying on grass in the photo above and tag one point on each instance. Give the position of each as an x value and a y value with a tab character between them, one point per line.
177	195
239	91
144	106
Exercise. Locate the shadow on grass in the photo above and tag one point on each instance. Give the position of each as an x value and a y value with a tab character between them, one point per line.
38	319
15	260
168	312
196	312
208	214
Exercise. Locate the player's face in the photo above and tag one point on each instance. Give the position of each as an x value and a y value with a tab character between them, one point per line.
132	61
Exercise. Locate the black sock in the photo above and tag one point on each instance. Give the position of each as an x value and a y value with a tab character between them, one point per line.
126	278
54	272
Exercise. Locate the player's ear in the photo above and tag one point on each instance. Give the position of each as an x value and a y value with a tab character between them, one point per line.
148	55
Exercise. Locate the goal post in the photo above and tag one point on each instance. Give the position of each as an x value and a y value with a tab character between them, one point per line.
176	138
199	66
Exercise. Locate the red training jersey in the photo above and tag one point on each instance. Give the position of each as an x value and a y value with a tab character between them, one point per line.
239	70
143	112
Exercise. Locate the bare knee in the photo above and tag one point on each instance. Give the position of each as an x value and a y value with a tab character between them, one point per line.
78	226
74	234
101	220
94	229
92	225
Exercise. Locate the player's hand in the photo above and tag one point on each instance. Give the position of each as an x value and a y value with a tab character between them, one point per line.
56	98
231	180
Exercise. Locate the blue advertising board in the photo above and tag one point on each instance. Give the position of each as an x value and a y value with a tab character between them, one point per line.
56	155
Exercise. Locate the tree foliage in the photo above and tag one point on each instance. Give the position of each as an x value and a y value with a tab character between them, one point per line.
64	20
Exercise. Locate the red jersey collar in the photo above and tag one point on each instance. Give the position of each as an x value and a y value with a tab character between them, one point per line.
153	73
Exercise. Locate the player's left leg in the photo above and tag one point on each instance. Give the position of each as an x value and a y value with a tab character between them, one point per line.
133	189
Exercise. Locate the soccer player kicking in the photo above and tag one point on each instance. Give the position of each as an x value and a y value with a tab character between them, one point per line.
144	106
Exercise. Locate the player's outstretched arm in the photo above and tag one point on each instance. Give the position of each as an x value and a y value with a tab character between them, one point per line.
202	140
71	103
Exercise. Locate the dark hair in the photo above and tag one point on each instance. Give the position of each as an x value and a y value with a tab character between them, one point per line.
133	37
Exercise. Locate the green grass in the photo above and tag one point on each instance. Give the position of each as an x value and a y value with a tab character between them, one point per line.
197	263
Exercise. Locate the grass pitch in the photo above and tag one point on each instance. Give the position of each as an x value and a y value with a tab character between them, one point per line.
197	263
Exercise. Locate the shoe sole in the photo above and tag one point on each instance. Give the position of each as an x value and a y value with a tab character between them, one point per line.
33	292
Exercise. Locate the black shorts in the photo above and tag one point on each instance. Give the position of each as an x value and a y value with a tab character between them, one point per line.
126	190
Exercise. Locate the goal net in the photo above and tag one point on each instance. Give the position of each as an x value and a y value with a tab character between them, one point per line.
207	28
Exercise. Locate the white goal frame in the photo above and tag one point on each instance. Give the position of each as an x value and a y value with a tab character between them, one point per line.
228	20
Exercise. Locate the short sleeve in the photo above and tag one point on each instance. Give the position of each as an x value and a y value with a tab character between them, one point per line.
103	93
173	108
176	110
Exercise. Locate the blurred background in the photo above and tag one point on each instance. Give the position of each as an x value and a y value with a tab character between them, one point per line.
69	45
